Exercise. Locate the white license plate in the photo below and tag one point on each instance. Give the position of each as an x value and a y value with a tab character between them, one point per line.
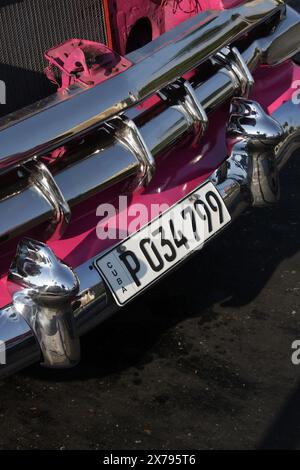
148	254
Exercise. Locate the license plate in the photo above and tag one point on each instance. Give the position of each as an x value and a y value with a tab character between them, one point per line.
140	260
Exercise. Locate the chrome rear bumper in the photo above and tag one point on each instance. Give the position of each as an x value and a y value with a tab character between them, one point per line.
259	146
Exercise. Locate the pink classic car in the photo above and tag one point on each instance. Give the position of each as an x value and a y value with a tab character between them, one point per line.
131	134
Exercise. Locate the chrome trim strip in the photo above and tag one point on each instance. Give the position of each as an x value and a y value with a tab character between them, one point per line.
284	44
62	117
101	169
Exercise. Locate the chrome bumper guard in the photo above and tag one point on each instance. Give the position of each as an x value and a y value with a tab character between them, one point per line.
52	304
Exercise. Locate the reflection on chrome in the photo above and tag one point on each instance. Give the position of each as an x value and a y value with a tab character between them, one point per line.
43	289
258	147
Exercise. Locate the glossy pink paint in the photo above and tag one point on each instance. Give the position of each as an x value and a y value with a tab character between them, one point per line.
83	63
161	14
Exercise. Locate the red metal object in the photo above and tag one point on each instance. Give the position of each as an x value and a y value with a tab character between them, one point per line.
107	22
83	62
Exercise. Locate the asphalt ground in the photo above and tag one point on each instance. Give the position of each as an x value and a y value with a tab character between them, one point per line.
201	361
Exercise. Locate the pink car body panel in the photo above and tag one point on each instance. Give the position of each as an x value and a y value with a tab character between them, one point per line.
163	15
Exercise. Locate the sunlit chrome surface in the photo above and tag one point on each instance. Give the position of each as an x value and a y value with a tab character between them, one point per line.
284	42
252	140
43	290
258	147
56	120
181	95
233	61
41	178
127	134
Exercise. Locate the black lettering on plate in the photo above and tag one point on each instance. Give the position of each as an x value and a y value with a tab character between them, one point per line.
158	266
210	197
132	264
165	243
